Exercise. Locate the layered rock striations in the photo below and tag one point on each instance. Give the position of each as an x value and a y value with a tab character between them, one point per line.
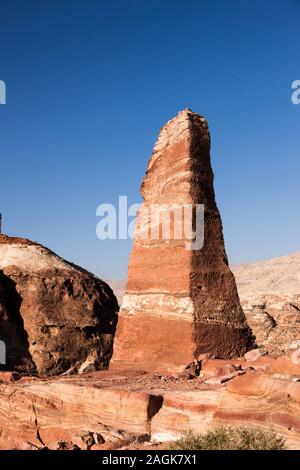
179	302
112	409
54	316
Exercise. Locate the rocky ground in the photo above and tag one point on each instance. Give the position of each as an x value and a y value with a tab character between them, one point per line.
146	409
141	409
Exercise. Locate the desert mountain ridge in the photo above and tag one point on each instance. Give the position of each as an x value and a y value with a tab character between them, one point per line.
279	275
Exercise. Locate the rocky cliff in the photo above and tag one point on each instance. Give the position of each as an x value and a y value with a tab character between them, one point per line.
125	409
54	316
270	296
180	302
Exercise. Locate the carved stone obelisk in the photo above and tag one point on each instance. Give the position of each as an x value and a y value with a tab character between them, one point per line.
180	302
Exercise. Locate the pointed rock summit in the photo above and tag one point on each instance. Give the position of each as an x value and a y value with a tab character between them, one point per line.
179	302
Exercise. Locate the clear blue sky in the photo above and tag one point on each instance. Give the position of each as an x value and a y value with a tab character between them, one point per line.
89	83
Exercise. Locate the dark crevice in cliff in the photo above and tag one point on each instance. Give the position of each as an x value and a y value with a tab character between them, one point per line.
12	330
154	405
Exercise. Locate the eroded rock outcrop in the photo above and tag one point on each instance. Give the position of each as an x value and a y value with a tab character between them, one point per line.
54	316
46	413
180	302
114	408
270	296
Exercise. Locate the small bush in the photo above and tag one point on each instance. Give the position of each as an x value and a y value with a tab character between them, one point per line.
228	438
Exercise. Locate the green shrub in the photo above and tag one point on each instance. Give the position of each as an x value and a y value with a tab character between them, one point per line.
228	438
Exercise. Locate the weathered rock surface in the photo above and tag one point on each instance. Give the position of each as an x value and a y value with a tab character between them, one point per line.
180	302
111	409
53	315
270	297
264	401
183	411
45	413
252	399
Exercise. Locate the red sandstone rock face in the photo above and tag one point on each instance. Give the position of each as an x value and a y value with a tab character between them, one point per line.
252	400
274	319
110	409
53	315
179	303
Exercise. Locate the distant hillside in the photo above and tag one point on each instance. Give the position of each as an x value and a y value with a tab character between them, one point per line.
280	276
118	286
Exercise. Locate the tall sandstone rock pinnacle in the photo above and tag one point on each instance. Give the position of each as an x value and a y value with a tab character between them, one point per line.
178	302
